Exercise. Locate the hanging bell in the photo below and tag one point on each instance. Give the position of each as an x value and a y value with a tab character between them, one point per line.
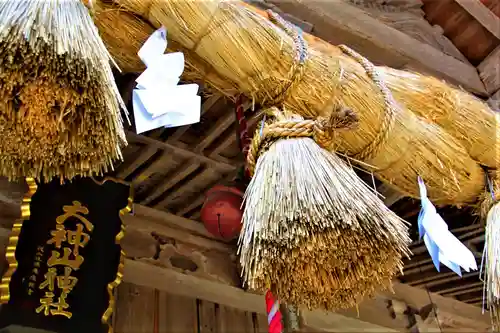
221	212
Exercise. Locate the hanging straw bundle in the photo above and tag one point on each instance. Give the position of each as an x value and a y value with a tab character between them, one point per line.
59	105
256	56
467	118
312	231
490	212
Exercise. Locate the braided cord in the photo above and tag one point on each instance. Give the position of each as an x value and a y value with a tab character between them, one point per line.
391	106
296	72
320	130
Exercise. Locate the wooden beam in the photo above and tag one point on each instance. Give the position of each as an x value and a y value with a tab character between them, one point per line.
462	314
133	137
150	216
489	71
372	317
146	274
494	101
391	196
340	23
483	15
168	182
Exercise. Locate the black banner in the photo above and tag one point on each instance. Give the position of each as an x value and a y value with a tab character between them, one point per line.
69	257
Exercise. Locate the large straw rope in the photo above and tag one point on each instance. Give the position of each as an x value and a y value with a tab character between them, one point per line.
467	118
255	56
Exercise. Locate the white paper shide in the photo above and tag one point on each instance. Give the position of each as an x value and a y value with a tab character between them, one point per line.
442	245
158	100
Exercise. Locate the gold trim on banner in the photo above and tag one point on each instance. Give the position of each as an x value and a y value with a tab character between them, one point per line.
119	274
10	253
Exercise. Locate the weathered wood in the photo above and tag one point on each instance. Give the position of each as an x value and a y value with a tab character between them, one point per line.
177	314
483	15
159	228
127	169
132	137
305	26
463	315
407	16
194	185
179	244
446	291
489	71
206	313
159	164
341	23
11	192
390	195
138	245
372	315
234	320
169	182
135	309
494	101
260	323
210	265
222	124
158	216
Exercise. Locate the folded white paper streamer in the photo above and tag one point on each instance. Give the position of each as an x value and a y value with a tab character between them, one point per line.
158	100
442	245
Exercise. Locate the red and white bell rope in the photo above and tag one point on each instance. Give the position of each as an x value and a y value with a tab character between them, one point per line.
274	317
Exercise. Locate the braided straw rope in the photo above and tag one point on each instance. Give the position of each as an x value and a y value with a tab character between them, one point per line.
321	130
391	106
296	73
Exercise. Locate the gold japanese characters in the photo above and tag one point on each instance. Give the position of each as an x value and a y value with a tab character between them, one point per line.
64	260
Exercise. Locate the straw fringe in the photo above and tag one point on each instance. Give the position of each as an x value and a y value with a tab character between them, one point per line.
313	232
59	105
492	265
489	211
252	55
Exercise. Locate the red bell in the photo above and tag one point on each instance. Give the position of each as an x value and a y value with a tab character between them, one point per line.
221	212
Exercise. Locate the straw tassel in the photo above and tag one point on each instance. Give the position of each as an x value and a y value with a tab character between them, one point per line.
490	264
59	104
309	214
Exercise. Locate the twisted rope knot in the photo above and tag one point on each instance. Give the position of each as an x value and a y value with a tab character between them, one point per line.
322	130
325	128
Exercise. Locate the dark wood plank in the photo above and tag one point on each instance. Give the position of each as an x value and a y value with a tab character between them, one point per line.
177	314
260	324
206	314
135	309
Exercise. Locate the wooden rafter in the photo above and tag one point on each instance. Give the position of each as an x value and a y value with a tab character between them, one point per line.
483	15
